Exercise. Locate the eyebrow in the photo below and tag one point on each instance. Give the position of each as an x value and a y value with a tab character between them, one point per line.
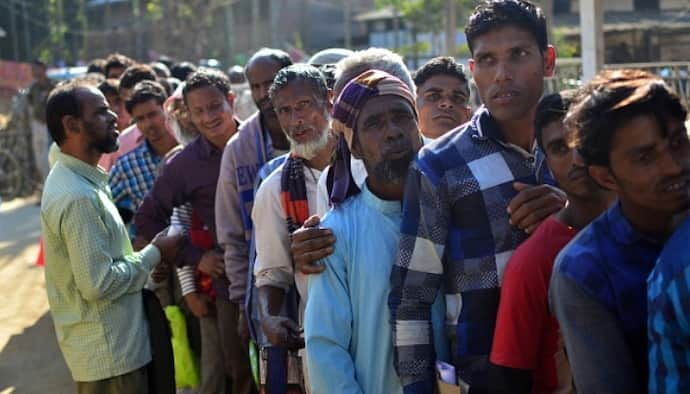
641	149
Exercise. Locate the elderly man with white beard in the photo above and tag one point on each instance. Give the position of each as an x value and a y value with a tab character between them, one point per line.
287	198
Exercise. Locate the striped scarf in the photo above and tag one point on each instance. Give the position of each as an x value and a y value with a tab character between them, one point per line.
293	192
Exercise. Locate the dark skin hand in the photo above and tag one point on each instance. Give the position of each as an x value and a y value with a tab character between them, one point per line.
212	264
198	304
533	204
243	326
168	247
309	244
279	330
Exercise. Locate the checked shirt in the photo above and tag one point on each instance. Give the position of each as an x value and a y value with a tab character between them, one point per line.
132	177
456	237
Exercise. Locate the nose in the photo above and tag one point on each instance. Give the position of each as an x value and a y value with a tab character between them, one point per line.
673	164
504	71
577	159
445	103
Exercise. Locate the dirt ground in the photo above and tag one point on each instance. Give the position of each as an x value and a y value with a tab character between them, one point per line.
30	361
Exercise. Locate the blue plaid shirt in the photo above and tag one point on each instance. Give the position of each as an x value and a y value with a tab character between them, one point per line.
456	236
669	316
132	176
610	262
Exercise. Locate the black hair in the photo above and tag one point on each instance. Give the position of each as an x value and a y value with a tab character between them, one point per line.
551	108
135	74
280	57
610	100
495	14
145	91
117	60
206	77
63	101
442	65
109	87
300	72
96	66
161	70
182	70
39	62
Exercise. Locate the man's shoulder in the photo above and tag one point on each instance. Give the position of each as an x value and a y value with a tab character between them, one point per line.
271	184
246	133
542	247
583	255
64	187
453	151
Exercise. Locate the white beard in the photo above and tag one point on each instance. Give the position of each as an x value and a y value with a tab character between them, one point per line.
310	149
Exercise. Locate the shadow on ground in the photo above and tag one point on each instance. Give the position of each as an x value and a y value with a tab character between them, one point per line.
24	367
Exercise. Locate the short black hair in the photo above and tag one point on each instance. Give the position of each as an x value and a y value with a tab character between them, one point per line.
278	56
204	77
39	62
117	60
145	91
182	70
610	100
96	66
161	70
495	14
63	101
135	74
300	72
442	65
552	108
109	87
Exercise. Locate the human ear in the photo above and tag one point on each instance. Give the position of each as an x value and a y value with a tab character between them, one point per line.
549	61
604	177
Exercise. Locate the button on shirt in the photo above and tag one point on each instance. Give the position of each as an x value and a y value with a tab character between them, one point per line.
669	311
93	277
599	285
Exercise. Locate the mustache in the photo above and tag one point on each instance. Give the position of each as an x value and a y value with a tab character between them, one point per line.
577	171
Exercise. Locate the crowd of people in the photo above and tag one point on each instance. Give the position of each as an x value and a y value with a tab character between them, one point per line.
367	229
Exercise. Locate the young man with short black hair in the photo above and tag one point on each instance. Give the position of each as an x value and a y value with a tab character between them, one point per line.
632	137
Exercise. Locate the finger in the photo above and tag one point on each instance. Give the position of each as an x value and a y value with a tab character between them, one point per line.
312	245
291	326
548	202
531	199
310	269
312	221
520	186
525	194
307	234
313	256
535	217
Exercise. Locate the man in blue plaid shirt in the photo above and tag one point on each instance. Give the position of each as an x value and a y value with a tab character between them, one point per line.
133	174
471	198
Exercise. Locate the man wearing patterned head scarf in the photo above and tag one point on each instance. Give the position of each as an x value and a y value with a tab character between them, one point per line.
346	323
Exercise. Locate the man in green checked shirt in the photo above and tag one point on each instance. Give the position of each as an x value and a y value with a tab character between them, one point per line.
94	279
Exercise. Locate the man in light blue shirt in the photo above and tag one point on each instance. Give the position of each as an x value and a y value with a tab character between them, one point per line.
94	279
347	329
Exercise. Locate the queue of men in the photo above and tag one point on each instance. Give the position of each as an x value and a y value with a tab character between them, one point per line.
367	230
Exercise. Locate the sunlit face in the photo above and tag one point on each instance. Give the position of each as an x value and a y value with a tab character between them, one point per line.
303	117
387	138
442	104
649	171
509	70
211	112
150	120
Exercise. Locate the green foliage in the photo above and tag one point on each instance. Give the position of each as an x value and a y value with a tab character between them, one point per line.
565	47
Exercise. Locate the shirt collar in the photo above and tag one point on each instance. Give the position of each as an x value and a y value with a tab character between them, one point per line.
386	207
94	174
486	128
206	148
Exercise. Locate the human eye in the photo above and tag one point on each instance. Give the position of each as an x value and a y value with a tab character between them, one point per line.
486	60
458	99
433	96
679	140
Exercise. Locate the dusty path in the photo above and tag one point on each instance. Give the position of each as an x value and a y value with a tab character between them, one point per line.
30	361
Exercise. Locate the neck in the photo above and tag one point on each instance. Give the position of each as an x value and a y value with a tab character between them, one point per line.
81	152
655	225
163	145
386	190
323	158
278	138
578	213
519	132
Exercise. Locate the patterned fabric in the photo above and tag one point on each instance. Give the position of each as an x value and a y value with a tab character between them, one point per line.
669	328
132	177
456	235
93	277
293	193
610	261
202	238
346	110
